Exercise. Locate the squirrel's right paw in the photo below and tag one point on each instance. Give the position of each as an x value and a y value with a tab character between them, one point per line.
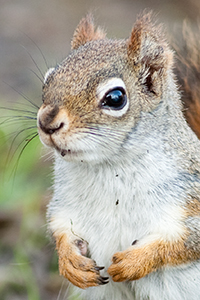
78	269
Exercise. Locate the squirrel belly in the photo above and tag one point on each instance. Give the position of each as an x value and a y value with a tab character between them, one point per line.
125	213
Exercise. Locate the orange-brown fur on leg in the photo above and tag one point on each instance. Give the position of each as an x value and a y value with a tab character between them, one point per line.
79	270
136	262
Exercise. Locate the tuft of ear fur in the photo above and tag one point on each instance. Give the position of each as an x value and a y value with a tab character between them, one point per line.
86	32
147	44
148	50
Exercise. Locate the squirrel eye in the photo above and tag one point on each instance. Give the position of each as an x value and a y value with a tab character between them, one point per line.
115	99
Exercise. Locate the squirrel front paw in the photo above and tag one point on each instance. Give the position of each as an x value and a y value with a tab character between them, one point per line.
139	260
78	269
131	264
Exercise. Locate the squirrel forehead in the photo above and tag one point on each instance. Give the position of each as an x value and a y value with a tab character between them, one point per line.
89	64
95	54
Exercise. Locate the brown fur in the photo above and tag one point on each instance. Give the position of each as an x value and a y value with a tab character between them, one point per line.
147	44
78	269
85	32
136	262
76	90
188	71
193	207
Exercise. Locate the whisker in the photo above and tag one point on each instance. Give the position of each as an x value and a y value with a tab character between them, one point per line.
45	61
36	75
14	139
48	155
10	135
104	130
33	60
94	138
60	291
15	119
18	110
21	94
22	150
25	106
67	291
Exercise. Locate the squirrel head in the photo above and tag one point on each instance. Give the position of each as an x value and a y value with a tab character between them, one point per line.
94	98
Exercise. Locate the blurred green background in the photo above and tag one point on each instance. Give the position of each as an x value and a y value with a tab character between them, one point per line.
28	262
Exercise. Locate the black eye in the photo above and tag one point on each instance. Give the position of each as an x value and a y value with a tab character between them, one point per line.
115	99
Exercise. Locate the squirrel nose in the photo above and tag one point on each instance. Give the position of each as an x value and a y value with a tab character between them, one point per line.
51	120
50	130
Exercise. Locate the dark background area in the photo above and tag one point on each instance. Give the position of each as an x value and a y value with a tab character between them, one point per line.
30	30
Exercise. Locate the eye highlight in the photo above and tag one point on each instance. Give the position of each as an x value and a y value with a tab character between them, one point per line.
115	99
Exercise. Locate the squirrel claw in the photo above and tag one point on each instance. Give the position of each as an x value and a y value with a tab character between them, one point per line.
82	274
103	280
99	268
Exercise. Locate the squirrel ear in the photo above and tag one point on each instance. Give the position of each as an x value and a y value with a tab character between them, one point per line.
149	52
86	32
147	44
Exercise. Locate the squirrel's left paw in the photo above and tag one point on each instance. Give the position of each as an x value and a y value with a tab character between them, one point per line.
130	264
80	270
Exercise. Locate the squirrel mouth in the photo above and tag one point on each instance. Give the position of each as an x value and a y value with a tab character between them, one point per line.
68	152
65	152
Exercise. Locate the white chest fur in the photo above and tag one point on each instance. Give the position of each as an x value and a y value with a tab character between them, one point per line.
111	206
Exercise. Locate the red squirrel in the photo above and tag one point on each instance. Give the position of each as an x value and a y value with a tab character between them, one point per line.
125	213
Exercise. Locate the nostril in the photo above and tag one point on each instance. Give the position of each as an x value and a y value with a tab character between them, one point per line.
51	130
61	126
